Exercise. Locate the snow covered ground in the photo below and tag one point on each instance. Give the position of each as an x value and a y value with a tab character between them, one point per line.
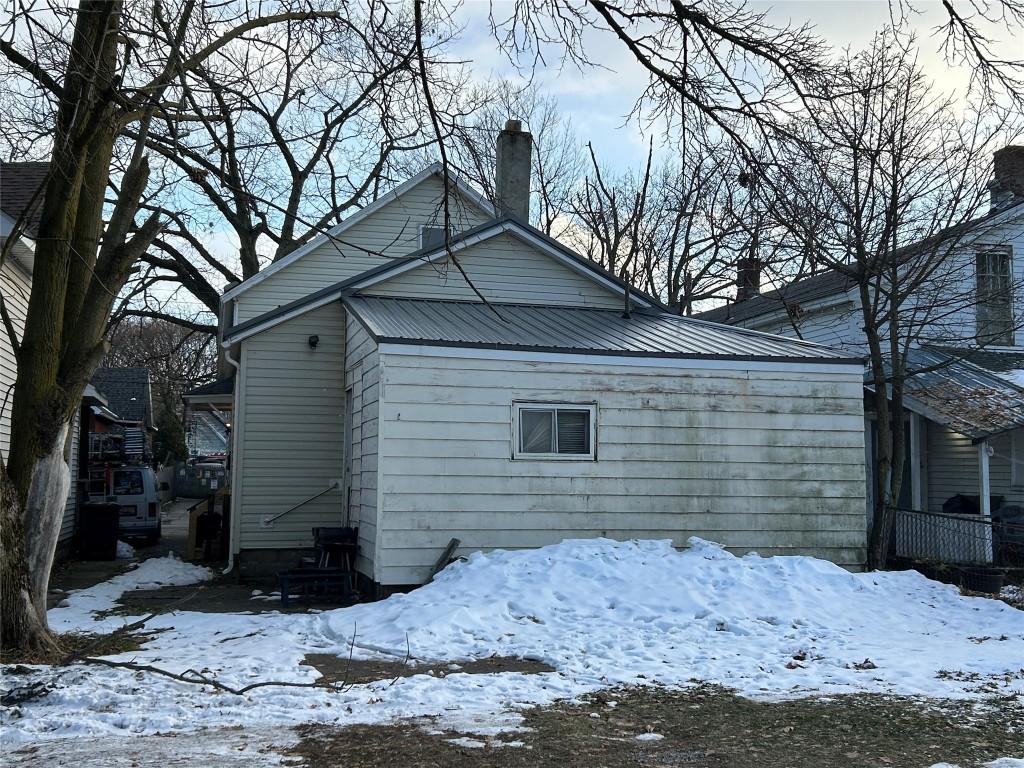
602	613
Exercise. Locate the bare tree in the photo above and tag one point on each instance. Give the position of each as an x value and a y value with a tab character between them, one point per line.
289	138
891	174
178	359
108	71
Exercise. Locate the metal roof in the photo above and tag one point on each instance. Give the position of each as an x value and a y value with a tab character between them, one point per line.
493	228
646	333
998	361
969	400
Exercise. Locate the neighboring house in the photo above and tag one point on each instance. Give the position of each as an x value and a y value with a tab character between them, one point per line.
21	195
129	395
207	417
377	388
966	420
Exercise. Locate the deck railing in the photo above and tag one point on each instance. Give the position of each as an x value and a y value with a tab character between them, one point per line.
958	539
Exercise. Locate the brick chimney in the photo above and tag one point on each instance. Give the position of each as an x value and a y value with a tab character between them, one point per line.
748	278
512	171
1007	185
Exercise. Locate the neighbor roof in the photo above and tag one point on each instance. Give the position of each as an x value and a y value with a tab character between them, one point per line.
998	361
801	292
833	282
961	396
225	386
513	226
127	391
21	192
544	328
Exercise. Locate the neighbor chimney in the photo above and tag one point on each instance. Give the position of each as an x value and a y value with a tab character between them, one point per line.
512	171
1007	185
748	278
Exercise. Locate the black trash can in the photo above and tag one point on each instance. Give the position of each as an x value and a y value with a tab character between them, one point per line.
97	531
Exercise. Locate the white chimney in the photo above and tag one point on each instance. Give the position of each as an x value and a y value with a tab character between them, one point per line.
512	171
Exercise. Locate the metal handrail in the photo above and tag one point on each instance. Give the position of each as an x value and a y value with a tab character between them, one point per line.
268	521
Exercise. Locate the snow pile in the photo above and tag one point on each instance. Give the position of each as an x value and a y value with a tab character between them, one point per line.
125	551
77	611
602	613
1002	762
606	613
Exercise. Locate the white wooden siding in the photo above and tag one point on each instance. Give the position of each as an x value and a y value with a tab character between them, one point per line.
390	232
503	269
362	376
772	461
952	468
16	285
291	444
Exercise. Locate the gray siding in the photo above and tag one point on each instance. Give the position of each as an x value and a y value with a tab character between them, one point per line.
503	269
754	459
952	468
16	285
390	232
362	376
291	441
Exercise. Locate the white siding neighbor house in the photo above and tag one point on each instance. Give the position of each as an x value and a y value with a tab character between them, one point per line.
495	390
966	403
20	204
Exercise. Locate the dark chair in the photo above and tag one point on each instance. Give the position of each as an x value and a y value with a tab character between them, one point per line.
333	565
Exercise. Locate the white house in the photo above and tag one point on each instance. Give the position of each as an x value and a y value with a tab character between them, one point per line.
966	421
494	390
20	205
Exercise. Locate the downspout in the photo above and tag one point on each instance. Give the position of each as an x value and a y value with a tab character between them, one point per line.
227	317
234	436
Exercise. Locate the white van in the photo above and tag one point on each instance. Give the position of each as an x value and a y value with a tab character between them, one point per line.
135	491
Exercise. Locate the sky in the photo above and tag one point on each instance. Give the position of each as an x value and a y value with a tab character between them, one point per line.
598	102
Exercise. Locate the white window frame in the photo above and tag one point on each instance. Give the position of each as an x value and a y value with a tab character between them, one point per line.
985	280
1017	458
520	405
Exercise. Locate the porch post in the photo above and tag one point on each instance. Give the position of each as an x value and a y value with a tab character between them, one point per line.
985	502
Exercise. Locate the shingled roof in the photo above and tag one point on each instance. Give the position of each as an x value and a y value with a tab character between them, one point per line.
21	190
127	391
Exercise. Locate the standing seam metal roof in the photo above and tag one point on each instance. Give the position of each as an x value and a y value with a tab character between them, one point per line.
646	333
957	394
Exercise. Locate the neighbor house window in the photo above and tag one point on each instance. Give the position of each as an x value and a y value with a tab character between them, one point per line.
1017	457
554	431
431	237
995	297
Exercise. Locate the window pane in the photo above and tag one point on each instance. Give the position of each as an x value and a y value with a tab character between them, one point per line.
128	483
431	237
573	431
995	297
536	431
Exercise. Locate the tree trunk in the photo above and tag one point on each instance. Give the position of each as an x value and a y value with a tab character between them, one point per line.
22	626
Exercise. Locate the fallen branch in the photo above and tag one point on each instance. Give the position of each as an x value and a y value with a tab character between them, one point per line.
82	652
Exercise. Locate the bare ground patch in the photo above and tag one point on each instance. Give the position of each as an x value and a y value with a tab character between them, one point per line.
704	727
337	669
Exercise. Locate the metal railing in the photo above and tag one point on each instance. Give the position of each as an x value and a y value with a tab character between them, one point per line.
267	522
957	539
